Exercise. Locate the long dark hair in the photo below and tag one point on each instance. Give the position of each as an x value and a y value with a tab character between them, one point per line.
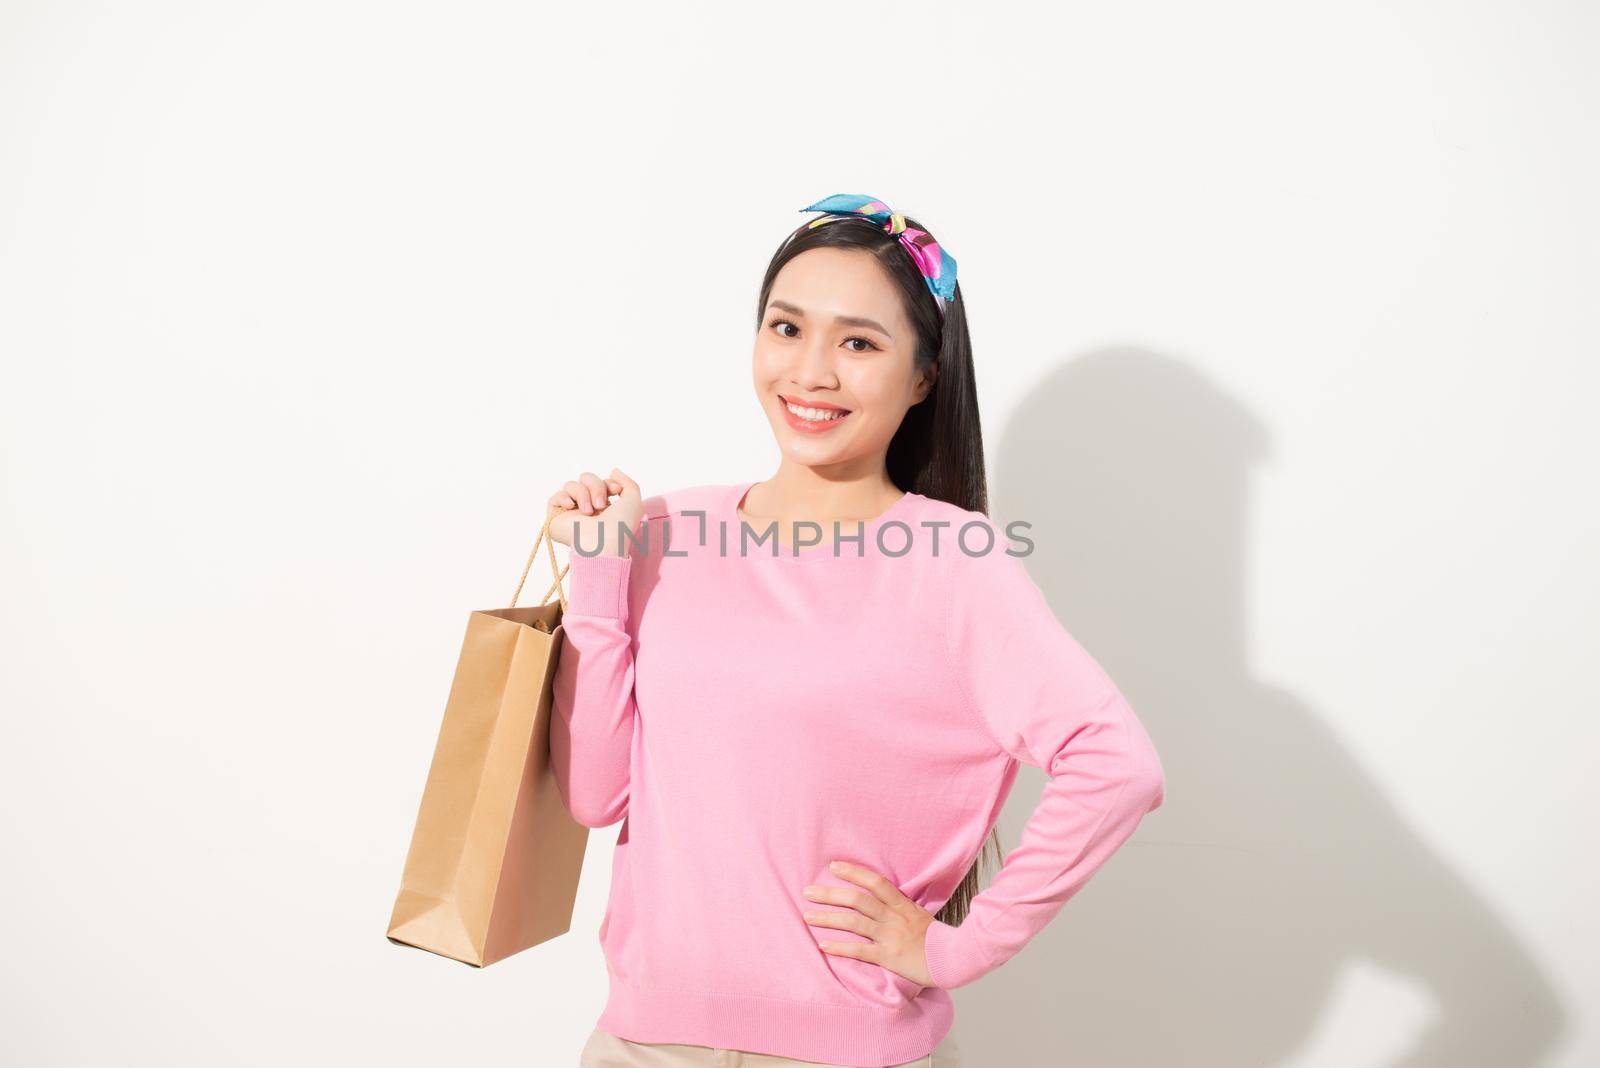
938	449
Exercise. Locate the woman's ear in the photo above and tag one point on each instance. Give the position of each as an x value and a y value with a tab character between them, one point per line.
925	381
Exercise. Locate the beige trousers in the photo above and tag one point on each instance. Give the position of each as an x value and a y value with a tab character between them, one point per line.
605	1050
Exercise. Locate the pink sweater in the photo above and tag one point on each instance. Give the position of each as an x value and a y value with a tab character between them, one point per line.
752	717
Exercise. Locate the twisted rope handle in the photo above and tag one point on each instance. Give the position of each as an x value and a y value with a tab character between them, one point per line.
555	568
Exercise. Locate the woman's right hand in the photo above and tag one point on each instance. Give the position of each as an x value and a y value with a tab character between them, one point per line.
584	503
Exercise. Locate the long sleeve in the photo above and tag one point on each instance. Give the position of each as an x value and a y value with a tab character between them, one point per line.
1046	702
591	730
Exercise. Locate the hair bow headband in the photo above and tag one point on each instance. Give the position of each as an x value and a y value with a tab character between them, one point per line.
938	267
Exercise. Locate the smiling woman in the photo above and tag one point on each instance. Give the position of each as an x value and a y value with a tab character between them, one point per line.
848	321
809	747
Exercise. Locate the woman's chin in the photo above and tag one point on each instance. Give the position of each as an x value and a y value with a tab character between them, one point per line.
816	449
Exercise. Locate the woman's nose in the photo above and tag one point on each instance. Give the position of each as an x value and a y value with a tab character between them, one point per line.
813	362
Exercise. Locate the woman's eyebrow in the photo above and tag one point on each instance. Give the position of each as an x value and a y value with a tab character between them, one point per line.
842	320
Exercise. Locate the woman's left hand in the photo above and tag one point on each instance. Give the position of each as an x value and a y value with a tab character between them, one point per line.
896	925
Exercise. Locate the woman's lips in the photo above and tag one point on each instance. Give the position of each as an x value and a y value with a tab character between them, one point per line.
810	426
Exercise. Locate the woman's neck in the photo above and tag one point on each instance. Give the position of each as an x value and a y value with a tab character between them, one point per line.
797	494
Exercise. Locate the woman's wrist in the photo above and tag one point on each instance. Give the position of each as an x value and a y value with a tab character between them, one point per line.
599	583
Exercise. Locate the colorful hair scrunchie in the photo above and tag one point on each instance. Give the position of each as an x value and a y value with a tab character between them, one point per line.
938	267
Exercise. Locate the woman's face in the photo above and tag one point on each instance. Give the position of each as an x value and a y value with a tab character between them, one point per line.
834	341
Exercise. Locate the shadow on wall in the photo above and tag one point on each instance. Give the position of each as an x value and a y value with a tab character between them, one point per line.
1219	935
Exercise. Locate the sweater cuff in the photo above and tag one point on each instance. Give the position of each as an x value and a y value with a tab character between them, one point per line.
599	585
954	959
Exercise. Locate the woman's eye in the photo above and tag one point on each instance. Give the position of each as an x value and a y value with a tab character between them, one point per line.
783	326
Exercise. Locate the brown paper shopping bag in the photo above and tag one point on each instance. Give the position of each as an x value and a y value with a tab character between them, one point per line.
494	861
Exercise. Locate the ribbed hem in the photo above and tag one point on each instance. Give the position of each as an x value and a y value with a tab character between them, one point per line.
863	1036
953	958
599	585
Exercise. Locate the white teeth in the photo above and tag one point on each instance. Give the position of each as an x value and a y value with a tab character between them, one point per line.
815	415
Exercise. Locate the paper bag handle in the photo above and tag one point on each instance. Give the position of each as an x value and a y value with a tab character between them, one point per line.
555	568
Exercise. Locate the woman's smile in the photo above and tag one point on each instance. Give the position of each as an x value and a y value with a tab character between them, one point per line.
811	417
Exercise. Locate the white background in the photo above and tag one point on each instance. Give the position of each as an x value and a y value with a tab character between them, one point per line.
1284	319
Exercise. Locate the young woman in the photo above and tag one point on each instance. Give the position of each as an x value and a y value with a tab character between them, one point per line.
808	697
